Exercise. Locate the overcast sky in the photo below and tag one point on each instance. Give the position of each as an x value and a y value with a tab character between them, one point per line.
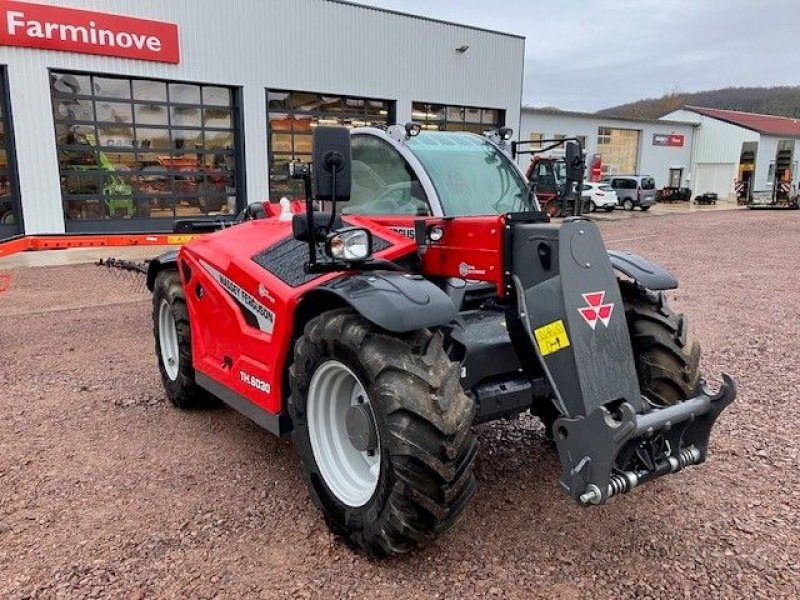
592	54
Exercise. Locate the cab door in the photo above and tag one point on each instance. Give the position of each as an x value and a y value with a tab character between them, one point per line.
384	182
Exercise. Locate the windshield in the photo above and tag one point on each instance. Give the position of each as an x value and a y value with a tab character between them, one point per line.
648	183
560	167
471	176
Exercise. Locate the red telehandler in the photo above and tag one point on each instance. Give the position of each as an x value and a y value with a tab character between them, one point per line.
431	293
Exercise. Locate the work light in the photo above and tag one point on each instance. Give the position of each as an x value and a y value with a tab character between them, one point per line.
353	244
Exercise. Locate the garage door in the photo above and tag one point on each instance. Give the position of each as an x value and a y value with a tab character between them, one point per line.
715	177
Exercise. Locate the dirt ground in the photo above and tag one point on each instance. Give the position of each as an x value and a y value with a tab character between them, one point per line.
108	492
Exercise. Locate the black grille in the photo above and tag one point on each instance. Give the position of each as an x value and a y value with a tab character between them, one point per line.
286	259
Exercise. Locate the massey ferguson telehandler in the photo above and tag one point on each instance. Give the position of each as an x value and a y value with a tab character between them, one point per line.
418	291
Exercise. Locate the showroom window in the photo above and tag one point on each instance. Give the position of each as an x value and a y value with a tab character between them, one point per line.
457	118
9	199
144	149
619	149
292	116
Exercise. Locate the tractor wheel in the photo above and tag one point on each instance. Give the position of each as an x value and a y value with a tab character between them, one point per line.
174	342
383	429
667	360
627	204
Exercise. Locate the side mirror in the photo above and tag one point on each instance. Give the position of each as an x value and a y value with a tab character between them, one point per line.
332	159
574	161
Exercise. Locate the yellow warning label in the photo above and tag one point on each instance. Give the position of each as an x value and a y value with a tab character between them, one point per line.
552	337
174	240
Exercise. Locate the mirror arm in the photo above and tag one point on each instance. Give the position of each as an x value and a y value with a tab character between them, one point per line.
312	244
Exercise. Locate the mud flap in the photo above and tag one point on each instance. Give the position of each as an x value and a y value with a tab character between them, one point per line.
609	437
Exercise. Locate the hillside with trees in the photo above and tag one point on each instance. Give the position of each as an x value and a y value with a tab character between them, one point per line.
783	101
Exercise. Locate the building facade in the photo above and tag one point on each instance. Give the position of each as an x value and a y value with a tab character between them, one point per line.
122	115
733	147
659	148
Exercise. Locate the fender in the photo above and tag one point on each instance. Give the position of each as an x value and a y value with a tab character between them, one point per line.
397	302
168	260
644	272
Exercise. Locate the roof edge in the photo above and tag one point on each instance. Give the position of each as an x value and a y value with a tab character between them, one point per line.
699	111
423	18
596	116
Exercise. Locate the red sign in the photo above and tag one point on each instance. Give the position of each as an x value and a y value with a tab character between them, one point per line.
71	30
672	139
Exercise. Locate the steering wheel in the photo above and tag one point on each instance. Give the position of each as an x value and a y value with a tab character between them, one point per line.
393	200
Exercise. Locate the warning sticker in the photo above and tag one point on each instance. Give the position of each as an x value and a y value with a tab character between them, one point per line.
175	240
552	337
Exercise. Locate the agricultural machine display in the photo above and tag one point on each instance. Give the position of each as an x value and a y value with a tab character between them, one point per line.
117	193
782	193
547	176
430	294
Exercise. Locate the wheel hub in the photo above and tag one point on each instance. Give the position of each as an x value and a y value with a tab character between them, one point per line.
361	430
343	433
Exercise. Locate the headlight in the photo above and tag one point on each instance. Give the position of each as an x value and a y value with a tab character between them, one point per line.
435	233
349	245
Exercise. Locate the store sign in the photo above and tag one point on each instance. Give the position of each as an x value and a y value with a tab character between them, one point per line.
86	32
671	139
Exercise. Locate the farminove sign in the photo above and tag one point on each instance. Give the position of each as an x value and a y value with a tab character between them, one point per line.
71	30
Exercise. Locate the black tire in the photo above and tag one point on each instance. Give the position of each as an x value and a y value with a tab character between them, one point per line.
591	206
424	422
628	204
667	359
182	391
610	208
644	208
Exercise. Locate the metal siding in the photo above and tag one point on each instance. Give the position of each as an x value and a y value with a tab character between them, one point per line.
716	141
311	45
652	160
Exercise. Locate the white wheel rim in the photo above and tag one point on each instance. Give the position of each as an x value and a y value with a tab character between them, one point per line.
168	340
350	474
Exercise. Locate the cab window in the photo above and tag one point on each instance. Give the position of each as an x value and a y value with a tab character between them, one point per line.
383	183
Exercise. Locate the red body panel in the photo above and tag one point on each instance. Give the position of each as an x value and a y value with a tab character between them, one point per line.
471	248
239	356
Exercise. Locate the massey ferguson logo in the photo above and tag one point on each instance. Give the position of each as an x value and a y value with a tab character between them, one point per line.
595	310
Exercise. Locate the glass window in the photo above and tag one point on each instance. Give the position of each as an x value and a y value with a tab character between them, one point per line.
471	176
9	200
382	181
440	117
618	149
151	114
107	87
137	148
184	93
144	89
292	117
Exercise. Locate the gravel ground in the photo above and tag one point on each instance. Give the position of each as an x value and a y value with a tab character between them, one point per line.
105	491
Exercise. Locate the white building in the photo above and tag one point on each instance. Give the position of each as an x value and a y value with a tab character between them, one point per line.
659	148
729	144
126	114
